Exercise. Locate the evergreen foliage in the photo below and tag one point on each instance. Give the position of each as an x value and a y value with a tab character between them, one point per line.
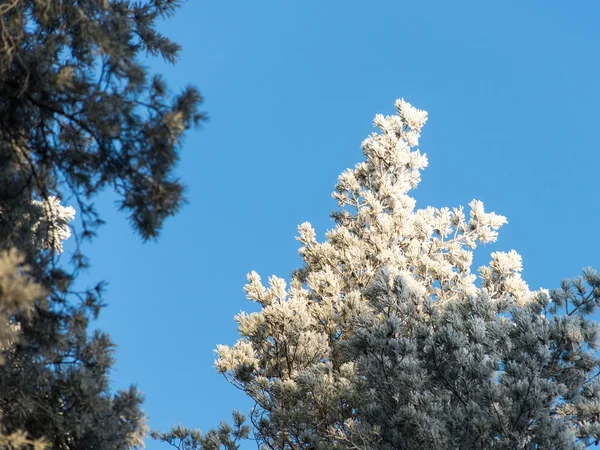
386	339
225	436
78	113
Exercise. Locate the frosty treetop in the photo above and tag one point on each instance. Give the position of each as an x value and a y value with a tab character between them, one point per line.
295	347
377	227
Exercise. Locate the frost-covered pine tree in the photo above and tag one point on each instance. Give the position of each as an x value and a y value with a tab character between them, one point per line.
387	339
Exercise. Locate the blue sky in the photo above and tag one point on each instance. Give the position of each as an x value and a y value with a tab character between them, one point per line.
512	89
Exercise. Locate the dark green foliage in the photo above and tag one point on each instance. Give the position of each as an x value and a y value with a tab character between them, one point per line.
478	374
225	436
78	109
78	113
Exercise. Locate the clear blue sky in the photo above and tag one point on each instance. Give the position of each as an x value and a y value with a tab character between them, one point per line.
512	89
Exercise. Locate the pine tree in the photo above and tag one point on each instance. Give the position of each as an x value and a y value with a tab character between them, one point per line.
386	339
78	113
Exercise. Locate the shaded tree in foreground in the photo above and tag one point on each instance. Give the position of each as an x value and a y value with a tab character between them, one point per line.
78	113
